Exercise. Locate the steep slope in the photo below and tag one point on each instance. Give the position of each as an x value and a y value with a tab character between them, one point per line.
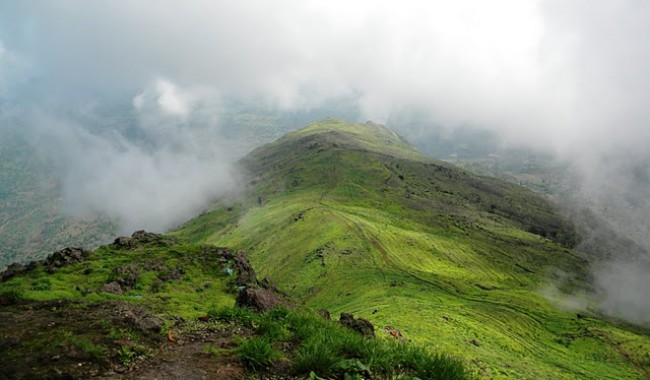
350	217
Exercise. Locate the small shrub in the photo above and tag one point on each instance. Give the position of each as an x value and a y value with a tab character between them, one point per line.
316	356
126	355
97	352
257	353
10	296
41	284
240	315
125	334
129	353
83	344
274	325
212	350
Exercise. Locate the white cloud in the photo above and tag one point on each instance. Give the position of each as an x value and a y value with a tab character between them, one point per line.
156	181
138	100
171	100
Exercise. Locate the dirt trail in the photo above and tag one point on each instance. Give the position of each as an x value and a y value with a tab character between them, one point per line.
186	359
41	340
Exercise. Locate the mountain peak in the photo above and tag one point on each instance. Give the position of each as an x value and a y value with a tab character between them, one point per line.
369	136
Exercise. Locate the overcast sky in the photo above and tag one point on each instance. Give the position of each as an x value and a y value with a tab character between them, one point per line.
564	72
570	76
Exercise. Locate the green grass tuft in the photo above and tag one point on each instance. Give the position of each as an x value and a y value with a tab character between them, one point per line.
257	353
241	315
96	351
328	350
11	296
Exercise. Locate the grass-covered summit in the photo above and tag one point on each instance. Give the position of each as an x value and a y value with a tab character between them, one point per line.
350	217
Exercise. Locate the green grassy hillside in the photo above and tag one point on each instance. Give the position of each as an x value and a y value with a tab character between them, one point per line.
350	217
153	307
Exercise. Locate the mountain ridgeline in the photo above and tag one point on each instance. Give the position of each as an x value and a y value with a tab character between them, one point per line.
350	217
462	277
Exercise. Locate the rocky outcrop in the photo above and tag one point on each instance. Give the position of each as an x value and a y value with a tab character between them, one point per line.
143	238
245	273
112	287
325	314
124	278
138	317
52	262
11	271
258	295
65	257
258	298
360	325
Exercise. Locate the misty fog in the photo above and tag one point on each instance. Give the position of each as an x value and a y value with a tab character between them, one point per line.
569	77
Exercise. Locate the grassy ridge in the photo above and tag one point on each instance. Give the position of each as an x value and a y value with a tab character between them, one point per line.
351	218
68	313
202	278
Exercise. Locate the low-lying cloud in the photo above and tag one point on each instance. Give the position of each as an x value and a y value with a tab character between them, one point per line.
571	77
165	168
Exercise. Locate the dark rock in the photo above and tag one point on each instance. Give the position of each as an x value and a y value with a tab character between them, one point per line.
325	314
157	285
150	323
127	276
121	369
73	352
112	287
267	284
259	299
155	265
220	253
259	295
245	273
64	257
143	238
360	325
33	265
11	271
53	262
123	241
174	274
137	317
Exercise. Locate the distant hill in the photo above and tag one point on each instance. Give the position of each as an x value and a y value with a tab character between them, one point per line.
350	217
32	224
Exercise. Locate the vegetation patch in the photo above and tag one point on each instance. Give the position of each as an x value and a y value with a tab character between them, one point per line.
302	343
